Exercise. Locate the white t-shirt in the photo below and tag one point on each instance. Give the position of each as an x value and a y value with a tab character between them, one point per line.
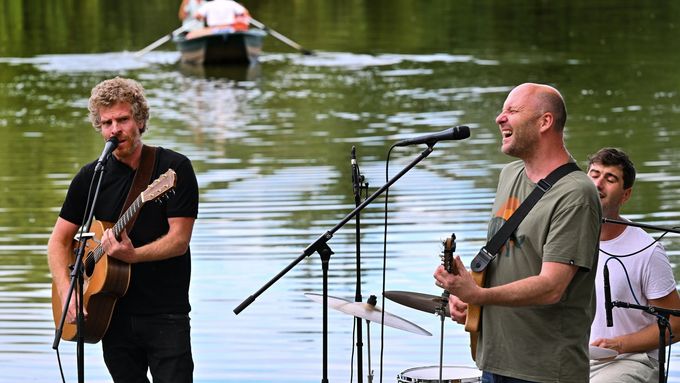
651	277
220	12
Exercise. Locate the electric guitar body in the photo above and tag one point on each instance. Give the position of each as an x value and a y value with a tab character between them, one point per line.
474	315
473	312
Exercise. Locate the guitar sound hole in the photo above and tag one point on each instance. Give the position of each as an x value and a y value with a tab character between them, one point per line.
89	264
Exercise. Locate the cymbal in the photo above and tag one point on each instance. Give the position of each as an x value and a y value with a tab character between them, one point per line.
333	302
419	301
369	312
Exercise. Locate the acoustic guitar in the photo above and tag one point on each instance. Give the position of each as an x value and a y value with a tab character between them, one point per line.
105	279
450	265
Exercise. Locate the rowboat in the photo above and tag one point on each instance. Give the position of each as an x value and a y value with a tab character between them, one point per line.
220	46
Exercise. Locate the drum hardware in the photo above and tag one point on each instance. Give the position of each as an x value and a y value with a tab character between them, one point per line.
438	305
371	313
441	312
368	335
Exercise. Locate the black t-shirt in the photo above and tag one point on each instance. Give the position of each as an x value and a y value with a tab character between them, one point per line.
160	287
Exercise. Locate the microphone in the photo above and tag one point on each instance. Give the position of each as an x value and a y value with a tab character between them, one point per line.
607	298
355	172
456	133
110	146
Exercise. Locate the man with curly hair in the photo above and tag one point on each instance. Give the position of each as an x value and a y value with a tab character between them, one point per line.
149	327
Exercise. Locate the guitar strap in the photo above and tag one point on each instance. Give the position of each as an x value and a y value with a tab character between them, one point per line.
488	252
141	181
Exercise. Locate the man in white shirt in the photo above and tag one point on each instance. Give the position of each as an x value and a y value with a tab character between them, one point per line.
635	334
222	13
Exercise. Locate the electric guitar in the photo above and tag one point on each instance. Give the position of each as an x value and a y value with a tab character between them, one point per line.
450	265
447	255
474	314
105	279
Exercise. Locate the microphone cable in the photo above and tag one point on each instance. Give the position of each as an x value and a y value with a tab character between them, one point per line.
384	265
618	256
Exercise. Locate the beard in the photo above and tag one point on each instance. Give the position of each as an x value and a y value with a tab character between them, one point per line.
129	145
523	142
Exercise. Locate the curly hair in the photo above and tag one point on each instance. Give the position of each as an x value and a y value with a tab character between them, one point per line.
116	90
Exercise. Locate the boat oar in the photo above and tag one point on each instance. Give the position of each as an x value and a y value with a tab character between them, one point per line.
281	37
161	41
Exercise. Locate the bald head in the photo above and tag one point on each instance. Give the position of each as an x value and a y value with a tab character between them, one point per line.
548	100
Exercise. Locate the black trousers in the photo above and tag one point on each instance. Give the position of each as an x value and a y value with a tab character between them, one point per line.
159	343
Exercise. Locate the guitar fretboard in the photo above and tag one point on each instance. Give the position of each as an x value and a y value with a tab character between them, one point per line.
118	228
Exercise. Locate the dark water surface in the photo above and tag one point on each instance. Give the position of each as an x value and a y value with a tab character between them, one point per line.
271	148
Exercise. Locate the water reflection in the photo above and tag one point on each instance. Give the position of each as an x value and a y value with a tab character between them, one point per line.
113	62
231	72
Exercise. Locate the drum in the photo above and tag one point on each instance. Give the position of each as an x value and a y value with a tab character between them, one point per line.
450	374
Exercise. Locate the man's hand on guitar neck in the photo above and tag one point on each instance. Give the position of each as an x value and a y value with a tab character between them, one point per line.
461	285
122	250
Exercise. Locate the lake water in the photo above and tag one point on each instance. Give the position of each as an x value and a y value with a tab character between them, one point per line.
271	147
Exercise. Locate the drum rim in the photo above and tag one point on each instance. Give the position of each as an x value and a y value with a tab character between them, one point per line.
444	367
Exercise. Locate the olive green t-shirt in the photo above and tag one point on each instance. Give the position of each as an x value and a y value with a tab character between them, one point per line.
543	343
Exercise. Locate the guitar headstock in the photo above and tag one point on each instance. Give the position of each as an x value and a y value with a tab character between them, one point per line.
160	186
447	254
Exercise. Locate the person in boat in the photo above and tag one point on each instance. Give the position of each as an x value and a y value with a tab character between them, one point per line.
149	328
224	14
187	14
538	299
639	273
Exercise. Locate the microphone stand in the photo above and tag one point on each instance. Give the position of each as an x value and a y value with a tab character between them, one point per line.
320	245
663	323
77	279
357	186
661	313
640	225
